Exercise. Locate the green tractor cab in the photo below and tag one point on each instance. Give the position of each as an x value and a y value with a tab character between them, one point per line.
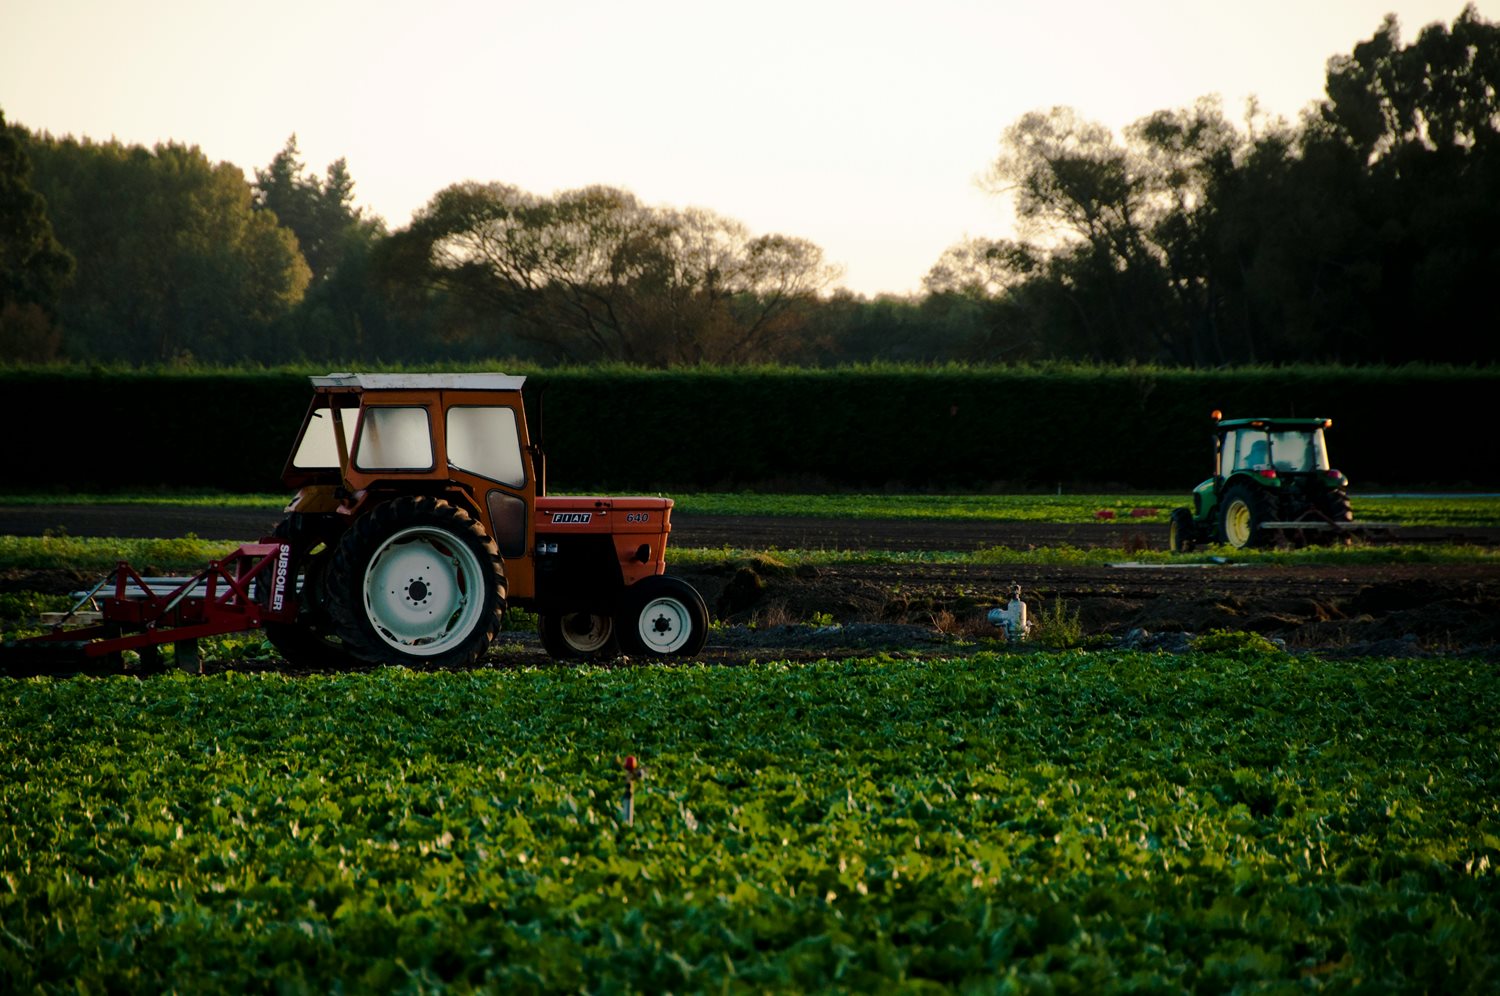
1272	480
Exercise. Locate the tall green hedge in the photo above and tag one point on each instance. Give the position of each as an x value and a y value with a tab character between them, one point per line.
906	428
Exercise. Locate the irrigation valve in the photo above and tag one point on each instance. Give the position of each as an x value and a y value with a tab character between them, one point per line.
1012	618
634	772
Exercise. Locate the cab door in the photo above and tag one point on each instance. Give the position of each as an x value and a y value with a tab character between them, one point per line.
485	447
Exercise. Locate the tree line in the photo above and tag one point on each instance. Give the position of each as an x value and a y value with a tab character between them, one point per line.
1365	232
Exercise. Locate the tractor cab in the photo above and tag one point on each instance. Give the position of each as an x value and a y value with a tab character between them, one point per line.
1272	448
399	475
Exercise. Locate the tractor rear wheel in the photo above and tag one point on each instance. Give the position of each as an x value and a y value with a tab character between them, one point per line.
1241	511
417	581
662	617
578	636
1182	534
1335	504
1335	507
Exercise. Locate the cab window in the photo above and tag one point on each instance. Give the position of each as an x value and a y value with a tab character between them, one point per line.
1299	451
1244	449
1229	453
394	439
487	442
319	449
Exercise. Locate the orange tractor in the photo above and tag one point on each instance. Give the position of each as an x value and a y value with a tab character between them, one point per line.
421	513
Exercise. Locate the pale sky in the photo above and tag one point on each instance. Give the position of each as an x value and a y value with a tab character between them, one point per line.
861	125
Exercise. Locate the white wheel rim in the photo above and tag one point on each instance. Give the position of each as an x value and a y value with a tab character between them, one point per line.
424	591
665	626
585	633
1237	523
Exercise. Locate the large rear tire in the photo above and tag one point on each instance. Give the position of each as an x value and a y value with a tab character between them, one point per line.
1242	510
662	617
578	636
1335	504
417	581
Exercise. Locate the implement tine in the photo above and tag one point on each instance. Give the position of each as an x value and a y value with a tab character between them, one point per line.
187	587
87	597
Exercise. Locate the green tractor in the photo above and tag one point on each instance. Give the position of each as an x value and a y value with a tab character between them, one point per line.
1271	481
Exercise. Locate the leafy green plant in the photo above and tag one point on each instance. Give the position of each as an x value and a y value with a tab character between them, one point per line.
239	648
518	619
1057	627
1234	641
26	606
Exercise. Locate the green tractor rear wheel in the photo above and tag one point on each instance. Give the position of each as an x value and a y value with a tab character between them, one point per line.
1335	504
1242	511
1335	507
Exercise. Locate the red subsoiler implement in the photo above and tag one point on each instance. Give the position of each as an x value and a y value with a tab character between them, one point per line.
125	611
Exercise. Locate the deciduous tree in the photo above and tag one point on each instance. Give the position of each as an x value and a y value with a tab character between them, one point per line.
172	259
593	274
1367	233
34	267
1084	202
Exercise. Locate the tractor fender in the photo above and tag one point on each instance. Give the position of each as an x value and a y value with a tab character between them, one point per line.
381	492
1206	495
1206	501
1246	477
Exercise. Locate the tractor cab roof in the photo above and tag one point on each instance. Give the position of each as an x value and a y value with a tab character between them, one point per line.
1275	424
418	382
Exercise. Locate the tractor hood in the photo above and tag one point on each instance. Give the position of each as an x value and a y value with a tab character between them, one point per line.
594	514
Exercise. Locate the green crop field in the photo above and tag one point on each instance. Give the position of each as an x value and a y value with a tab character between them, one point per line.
96	555
1450	510
1233	821
1455	510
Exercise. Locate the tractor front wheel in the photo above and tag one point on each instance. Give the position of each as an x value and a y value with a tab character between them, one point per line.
417	581
662	617
1242	510
578	636
1182	534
